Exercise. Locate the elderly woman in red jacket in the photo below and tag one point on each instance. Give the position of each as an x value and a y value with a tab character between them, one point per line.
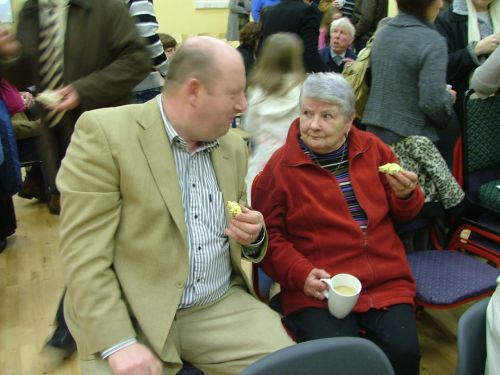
328	210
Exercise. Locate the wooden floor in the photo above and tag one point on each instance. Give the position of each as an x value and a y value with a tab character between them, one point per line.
31	284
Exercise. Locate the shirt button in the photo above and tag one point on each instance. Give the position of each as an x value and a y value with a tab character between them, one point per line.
178	284
198	280
196	216
194	185
199	247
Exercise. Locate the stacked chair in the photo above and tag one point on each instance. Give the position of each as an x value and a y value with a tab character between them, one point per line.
468	269
478	228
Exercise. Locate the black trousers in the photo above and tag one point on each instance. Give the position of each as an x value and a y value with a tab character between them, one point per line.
7	214
393	330
54	143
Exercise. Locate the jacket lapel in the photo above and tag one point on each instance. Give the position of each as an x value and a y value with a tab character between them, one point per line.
225	172
158	152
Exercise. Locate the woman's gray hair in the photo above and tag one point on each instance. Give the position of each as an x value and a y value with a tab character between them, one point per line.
345	24
331	88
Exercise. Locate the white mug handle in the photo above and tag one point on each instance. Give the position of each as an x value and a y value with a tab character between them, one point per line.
327	282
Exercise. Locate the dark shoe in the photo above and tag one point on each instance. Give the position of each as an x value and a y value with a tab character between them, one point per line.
62	339
54	204
33	189
59	347
3	243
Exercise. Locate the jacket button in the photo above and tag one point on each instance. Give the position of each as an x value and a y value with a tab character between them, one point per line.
178	284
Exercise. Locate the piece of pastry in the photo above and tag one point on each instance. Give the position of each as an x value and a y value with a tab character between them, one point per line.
234	208
390	168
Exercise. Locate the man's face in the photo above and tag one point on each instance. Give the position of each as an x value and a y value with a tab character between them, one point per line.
340	40
220	103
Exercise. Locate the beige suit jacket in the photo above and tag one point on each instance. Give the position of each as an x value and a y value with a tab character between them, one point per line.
124	241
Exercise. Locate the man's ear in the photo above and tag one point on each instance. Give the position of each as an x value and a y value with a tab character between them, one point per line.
193	88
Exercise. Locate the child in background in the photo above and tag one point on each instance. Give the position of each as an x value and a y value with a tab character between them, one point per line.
169	45
324	27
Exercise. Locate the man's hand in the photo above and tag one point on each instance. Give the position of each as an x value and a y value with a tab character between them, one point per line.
10	48
245	227
135	359
28	99
314	287
403	183
70	99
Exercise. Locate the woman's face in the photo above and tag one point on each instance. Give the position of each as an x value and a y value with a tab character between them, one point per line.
323	127
482	5
433	10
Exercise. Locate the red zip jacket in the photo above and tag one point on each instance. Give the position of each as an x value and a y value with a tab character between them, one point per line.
309	224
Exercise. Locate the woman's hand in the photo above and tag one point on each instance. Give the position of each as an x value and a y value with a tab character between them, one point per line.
487	45
313	286
403	183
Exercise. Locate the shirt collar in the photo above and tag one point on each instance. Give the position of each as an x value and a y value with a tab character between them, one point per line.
333	54
174	137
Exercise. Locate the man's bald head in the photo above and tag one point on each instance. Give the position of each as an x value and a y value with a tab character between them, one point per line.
203	58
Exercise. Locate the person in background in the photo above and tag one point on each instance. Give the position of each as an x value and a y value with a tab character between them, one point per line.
472	32
486	78
87	70
493	333
329	210
239	15
410	80
169	45
27	132
346	6
273	98
143	13
258	5
10	168
249	42
295	16
409	101
93	58
339	53
324	27
365	18
151	254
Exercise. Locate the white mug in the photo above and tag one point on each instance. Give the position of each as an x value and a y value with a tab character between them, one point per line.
342	293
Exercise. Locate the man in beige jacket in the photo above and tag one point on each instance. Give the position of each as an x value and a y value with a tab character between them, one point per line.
151	254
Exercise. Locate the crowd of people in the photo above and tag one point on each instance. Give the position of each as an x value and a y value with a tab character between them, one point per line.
132	148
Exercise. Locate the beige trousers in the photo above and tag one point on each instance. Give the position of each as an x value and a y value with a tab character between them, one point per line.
222	338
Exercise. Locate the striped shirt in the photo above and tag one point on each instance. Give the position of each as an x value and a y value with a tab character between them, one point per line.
209	258
348	8
142	11
337	162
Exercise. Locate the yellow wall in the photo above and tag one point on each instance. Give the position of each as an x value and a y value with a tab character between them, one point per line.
179	17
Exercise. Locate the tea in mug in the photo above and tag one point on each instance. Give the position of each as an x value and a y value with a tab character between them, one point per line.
345	290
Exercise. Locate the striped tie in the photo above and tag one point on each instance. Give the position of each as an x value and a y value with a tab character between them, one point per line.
51	60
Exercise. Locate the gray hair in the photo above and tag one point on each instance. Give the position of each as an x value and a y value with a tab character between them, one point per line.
345	24
330	88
